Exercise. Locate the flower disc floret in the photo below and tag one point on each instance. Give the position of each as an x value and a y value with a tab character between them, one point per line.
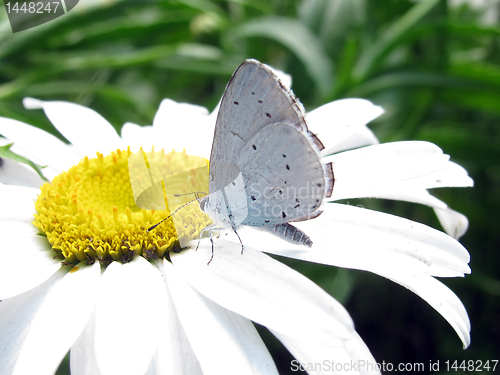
89	212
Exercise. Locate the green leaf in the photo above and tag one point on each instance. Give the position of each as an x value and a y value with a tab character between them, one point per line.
390	38
5	152
419	79
298	39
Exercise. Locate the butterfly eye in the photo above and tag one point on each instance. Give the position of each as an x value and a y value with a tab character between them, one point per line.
203	203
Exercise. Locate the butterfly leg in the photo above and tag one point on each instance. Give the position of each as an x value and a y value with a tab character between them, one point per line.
210	228
242	247
212	241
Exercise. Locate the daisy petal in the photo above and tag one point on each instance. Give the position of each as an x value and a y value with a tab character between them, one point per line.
190	124
82	358
27	260
14	173
352	357
39	146
222	340
453	222
372	241
73	296
185	364
264	290
373	170
410	252
338	120
441	298
18	204
127	292
16	315
360	138
452	175
87	130
174	354
137	136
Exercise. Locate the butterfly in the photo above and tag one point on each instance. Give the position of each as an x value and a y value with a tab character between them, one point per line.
265	166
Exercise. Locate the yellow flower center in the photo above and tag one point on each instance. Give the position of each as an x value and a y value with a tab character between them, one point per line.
89	212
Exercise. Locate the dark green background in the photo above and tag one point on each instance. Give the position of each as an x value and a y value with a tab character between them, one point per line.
432	66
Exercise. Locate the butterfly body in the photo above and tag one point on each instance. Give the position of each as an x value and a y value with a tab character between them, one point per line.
265	165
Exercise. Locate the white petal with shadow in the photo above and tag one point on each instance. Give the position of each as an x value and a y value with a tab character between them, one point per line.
18	204
136	136
73	298
453	222
174	354
27	260
222	340
264	290
440	297
39	146
374	170
406	252
360	138
185	126
357	238
127	297
86	129
82	357
339	120
14	173
16	316
352	357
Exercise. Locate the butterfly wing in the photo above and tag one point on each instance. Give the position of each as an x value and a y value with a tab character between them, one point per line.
254	99
284	177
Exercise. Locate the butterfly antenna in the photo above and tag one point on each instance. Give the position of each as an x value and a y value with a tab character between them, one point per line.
196	194
172	214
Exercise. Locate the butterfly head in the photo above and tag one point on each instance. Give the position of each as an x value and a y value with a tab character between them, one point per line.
204	203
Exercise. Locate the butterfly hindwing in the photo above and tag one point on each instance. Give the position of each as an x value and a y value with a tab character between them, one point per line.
283	175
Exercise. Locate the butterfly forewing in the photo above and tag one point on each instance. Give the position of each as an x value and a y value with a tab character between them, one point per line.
254	98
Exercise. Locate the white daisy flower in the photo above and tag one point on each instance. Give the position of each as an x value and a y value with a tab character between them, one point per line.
123	314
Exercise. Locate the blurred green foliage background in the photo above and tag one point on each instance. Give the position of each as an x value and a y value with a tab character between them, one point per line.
432	64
